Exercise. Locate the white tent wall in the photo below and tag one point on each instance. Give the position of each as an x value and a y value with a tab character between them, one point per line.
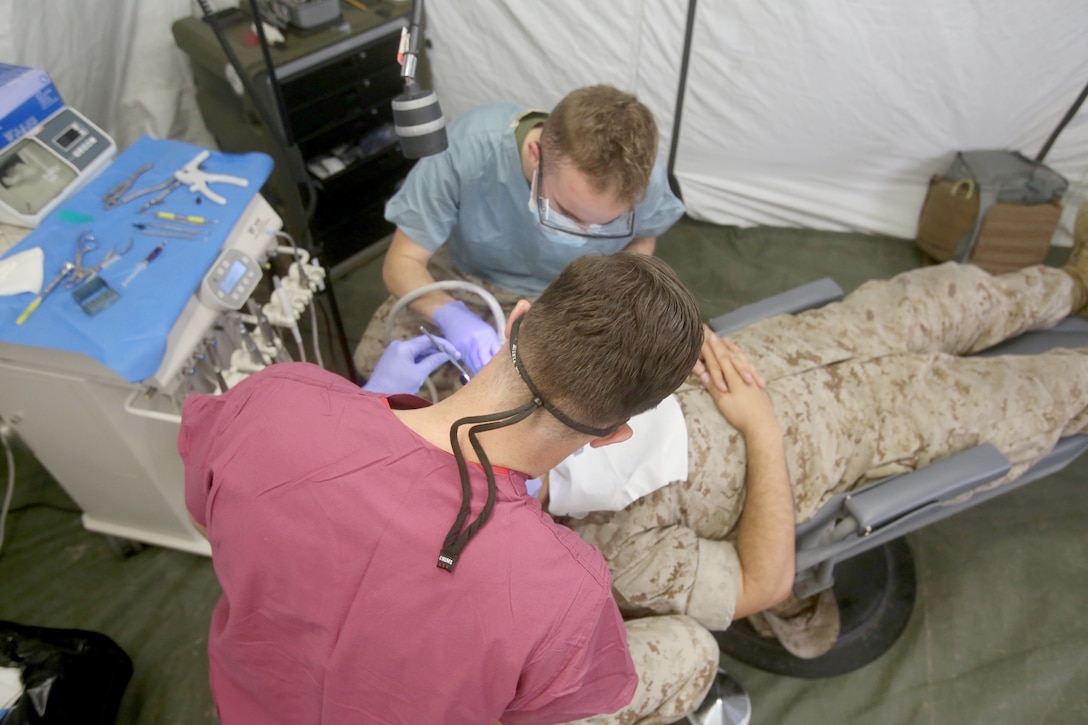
484	51
827	114
833	114
115	61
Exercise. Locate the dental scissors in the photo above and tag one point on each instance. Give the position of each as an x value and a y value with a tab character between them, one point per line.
85	245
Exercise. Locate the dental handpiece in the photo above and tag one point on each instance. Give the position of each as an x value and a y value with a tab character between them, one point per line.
442	348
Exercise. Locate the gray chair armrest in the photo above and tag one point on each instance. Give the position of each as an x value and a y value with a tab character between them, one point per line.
807	296
898	496
855	522
859	513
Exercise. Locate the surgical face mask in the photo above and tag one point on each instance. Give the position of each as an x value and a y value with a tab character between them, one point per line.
559	229
554	236
562	238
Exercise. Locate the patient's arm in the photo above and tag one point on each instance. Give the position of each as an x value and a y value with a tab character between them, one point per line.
660	565
765	538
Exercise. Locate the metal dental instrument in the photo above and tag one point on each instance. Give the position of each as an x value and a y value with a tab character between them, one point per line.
199	220
114	197
65	270
442	348
167	235
163	188
189	175
143	264
86	244
176	228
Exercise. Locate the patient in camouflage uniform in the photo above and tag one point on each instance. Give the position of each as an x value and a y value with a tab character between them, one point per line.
864	388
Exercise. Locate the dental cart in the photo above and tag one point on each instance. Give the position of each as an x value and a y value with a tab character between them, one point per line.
96	393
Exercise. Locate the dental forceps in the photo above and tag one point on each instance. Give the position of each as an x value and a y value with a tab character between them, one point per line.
190	175
116	196
86	244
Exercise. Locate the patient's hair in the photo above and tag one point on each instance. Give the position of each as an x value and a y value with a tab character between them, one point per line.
609	135
611	337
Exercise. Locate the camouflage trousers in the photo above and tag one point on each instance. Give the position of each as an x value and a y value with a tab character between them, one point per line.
676	659
446	379
878	384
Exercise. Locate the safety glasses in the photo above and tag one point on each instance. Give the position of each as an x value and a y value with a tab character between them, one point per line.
552	218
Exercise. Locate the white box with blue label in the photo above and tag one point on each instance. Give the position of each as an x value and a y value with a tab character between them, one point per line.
27	98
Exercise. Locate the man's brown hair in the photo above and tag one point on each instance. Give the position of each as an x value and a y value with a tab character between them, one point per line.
607	134
611	337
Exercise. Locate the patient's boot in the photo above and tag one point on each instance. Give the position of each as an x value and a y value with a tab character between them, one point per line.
806	628
1077	266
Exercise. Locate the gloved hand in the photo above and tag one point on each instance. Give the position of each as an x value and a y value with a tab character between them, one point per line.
474	339
405	364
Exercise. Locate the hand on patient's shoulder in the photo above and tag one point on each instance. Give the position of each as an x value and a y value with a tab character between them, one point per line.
742	399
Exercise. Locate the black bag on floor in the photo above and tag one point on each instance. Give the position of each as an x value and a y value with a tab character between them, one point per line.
68	675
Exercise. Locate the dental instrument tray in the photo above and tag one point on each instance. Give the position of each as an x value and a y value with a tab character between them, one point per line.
131	336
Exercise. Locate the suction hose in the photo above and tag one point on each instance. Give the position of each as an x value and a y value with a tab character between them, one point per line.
487	297
451	284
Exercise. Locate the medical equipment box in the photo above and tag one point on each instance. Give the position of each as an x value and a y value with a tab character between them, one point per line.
995	209
27	98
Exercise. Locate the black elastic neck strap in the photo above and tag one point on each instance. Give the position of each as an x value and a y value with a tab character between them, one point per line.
456	539
538	399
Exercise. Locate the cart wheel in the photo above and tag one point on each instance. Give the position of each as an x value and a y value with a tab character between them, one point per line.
875	591
124	548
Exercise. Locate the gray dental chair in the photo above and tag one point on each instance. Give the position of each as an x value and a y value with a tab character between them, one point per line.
854	545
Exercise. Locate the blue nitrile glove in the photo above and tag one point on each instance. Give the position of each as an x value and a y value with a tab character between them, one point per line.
474	339
405	364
